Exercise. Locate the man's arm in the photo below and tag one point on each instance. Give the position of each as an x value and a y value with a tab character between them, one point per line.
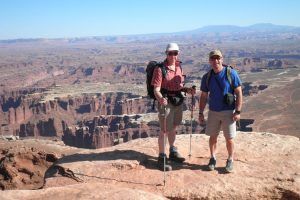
203	101
239	98
238	104
202	104
159	96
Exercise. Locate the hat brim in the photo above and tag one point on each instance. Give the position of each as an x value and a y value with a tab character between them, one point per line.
172	50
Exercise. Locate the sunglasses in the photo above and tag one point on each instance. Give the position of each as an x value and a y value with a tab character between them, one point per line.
215	57
172	53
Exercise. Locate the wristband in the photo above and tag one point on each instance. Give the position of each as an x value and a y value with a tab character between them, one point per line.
237	112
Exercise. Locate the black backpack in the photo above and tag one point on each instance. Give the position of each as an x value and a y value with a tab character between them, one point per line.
149	71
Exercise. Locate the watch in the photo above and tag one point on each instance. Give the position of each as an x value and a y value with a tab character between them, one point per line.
237	112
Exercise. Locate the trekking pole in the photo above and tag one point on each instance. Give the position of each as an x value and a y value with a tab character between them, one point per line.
165	123
192	116
165	131
238	125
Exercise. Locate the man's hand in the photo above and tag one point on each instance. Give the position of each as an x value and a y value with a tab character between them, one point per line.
191	90
163	101
236	117
201	119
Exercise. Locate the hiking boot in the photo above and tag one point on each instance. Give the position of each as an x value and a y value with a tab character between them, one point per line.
229	166
175	156
160	164
212	164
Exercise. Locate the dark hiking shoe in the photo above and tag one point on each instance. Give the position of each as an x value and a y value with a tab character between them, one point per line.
212	164
229	166
160	164
175	156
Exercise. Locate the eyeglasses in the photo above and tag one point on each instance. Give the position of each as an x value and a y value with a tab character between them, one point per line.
172	53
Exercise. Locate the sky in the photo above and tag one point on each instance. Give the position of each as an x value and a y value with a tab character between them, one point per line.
83	18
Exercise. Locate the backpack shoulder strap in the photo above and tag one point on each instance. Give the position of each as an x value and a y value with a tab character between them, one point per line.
163	69
181	70
228	74
208	77
164	74
180	67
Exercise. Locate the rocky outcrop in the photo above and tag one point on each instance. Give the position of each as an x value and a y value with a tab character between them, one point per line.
257	64
275	64
249	89
131	166
103	131
82	138
23	168
252	61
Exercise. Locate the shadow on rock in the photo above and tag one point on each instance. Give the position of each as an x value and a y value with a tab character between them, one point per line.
106	156
148	161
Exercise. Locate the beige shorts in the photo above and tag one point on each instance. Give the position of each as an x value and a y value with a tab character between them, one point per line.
173	116
222	120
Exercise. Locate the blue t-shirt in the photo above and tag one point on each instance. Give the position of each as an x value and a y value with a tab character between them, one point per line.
216	94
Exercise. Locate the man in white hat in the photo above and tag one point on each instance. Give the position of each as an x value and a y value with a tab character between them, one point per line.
167	91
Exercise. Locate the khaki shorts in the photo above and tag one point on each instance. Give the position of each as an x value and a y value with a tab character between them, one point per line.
173	114
220	120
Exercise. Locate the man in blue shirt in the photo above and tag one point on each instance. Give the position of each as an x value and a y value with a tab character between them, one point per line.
225	104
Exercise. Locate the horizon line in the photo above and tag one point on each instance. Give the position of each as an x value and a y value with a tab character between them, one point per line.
141	34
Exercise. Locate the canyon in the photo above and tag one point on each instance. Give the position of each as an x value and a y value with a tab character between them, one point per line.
74	114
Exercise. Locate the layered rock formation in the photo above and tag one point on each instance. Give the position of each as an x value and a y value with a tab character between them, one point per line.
104	131
24	115
98	138
41	128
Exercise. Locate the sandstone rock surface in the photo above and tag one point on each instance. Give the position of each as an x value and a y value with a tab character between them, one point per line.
266	167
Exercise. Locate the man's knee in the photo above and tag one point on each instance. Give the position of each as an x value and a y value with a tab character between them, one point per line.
229	136
229	139
213	138
174	128
162	133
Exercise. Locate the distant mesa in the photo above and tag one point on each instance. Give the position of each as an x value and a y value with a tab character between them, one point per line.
256	28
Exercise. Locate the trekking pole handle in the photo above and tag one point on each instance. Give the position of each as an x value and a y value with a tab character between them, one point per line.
194	88
192	113
162	99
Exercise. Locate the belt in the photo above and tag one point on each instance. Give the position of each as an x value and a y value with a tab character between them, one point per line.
170	93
